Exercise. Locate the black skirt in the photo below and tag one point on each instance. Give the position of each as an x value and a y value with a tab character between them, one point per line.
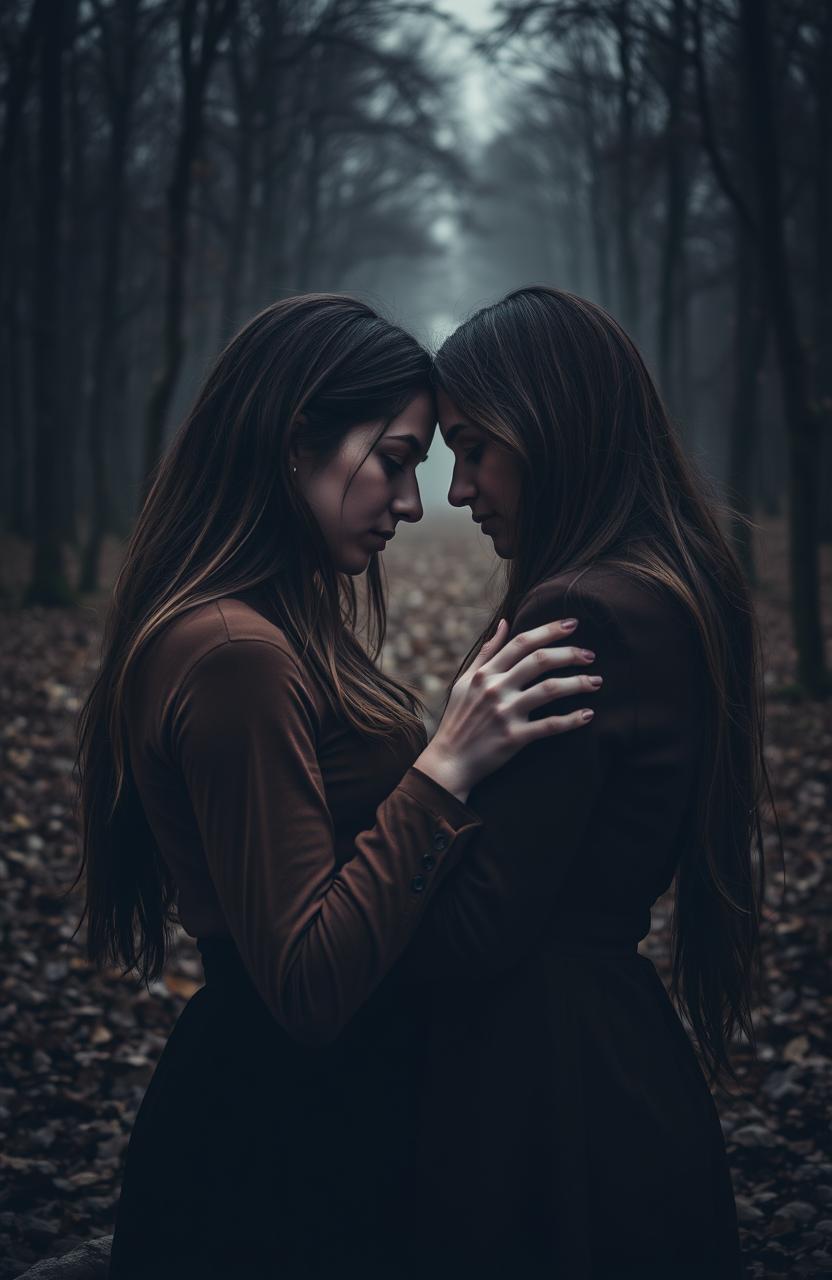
253	1155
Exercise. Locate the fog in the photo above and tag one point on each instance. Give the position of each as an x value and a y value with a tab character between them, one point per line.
427	158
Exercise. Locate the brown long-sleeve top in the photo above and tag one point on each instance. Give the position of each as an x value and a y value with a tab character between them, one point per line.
315	848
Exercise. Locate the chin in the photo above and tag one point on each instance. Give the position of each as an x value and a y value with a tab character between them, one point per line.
355	566
502	550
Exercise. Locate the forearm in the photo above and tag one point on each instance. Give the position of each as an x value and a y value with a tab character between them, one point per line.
335	942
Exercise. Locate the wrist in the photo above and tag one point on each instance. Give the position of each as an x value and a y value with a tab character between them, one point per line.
445	771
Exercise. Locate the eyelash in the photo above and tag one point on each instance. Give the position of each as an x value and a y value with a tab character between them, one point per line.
470	455
390	465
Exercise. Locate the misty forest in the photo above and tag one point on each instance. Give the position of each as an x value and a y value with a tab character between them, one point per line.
168	168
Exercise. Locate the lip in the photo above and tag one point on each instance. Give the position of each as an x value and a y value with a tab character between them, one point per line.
380	537
485	521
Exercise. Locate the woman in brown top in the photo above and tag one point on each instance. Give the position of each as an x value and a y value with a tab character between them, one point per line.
246	765
566	1129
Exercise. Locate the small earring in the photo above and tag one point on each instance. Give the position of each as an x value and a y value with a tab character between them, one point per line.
294	470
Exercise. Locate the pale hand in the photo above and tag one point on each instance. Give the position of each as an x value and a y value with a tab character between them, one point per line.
486	720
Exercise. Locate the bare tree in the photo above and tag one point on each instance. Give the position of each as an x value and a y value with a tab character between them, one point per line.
20	53
20	48
49	584
120	35
750	333
821	80
202	25
676	194
801	420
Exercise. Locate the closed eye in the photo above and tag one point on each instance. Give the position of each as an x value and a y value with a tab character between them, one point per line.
475	454
391	466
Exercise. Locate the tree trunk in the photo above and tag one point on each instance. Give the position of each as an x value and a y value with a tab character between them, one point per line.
675	207
823	265
628	290
196	75
18	80
682	370
121	105
263	231
203	312
749	348
235	266
49	585
311	206
801	421
173	340
74	269
299	87
21	69
597	192
245	93
771	463
19	508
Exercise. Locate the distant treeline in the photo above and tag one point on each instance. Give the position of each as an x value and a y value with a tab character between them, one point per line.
169	166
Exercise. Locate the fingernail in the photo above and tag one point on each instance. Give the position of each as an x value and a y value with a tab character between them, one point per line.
569	624
587	715
595	681
588	654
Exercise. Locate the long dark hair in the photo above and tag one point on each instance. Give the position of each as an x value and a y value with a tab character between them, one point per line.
556	380
222	518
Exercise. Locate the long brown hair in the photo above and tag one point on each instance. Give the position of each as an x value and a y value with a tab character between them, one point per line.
222	518
557	381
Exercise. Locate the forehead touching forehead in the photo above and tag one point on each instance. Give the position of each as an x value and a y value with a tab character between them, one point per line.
415	425
451	418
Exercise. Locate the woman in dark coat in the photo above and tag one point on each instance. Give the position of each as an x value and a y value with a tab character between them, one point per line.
566	1127
247	767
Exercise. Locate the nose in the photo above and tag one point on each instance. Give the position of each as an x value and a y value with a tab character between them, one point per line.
408	505
462	491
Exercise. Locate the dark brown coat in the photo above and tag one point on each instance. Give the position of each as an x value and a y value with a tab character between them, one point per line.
563	1104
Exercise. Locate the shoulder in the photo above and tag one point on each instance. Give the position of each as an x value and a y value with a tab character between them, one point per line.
613	598
226	627
223	649
641	631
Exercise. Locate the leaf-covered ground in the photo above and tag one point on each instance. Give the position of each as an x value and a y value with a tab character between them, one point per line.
77	1049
